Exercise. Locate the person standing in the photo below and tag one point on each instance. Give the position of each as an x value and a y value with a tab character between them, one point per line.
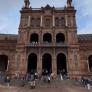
8	81
88	84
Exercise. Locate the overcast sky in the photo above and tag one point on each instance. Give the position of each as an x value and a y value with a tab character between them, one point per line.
10	16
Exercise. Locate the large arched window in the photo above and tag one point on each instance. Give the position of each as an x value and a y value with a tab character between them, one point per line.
60	38
47	63
32	63
90	62
47	37
3	62
34	38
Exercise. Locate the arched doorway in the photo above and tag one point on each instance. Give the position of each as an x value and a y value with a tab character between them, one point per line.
34	37
60	38
61	64
3	62
90	62
47	63
32	63
47	38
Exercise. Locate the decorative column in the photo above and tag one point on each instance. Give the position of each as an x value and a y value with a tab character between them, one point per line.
69	67
88	66
41	21
29	18
74	21
54	68
17	62
8	65
66	22
53	21
39	63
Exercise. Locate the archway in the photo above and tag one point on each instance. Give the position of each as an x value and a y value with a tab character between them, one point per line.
61	64
32	63
47	63
34	37
3	62
47	38
90	62
60	38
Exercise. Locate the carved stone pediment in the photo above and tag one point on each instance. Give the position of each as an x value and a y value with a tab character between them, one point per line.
47	12
48	7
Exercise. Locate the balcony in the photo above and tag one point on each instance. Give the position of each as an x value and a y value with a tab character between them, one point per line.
32	44
60	44
37	44
46	44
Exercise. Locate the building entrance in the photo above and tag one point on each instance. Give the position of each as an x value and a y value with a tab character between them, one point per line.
61	64
90	63
3	62
32	63
47	63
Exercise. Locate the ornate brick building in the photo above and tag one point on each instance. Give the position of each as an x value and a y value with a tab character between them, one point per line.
47	41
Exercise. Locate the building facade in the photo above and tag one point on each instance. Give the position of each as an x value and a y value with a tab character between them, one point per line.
47	40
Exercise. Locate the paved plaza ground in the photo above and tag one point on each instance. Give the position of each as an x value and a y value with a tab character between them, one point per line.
43	89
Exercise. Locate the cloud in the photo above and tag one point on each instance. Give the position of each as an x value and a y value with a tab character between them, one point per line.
84	6
84	16
9	5
8	25
39	3
86	30
9	13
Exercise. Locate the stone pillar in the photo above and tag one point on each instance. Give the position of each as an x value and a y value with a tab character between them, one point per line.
69	20
66	22
41	36
73	21
53	37
69	72
41	21
53	21
54	68
29	18
88	66
17	61
11	66
8	65
39	63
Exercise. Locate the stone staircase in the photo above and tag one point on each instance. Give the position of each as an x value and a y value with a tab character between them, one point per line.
41	84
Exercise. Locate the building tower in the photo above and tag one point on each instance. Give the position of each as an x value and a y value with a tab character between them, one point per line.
69	3
47	40
27	3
